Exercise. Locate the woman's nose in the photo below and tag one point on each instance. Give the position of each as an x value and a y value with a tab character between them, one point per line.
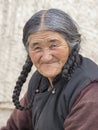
46	56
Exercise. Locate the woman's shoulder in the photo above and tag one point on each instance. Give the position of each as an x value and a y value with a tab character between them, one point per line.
89	93
85	109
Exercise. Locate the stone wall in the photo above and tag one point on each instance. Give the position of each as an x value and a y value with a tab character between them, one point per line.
14	14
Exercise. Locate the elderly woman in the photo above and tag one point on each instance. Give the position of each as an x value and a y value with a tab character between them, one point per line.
63	92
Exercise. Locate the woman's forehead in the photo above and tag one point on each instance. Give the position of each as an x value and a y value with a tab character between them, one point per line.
42	35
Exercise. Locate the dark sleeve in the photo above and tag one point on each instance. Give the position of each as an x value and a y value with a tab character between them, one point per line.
19	120
84	113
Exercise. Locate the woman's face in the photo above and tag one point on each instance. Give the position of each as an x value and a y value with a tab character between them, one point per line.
49	52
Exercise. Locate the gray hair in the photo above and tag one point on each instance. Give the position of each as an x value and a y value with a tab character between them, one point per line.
53	20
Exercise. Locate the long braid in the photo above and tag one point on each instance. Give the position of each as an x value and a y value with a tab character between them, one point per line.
71	64
21	80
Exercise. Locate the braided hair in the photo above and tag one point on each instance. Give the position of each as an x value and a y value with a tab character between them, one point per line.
21	80
71	65
53	20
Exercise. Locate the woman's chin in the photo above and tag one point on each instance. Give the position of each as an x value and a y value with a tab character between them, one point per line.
50	71
50	75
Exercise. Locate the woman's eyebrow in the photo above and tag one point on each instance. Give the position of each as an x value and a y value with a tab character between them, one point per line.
34	43
53	40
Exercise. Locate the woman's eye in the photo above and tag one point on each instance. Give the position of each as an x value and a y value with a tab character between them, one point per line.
54	46
37	49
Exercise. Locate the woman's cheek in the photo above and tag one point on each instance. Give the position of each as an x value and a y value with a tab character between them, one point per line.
34	57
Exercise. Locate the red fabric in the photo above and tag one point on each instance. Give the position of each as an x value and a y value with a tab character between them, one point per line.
84	113
20	120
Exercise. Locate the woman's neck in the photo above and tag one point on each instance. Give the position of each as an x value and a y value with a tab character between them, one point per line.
50	81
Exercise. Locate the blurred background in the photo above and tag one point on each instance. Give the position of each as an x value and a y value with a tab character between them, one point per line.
13	16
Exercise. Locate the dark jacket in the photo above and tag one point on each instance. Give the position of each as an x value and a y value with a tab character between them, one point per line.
50	109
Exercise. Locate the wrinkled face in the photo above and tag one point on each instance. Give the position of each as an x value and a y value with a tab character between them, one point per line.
49	52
